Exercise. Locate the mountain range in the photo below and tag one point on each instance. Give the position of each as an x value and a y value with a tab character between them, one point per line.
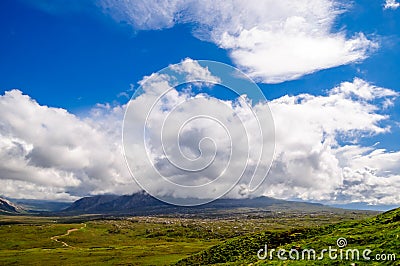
142	204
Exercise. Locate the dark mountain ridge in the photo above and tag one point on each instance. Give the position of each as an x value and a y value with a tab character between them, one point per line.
8	207
144	204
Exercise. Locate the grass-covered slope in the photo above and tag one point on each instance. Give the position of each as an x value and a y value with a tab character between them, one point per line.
380	234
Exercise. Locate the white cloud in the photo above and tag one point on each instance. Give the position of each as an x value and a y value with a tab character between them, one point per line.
184	131
49	153
272	41
391	4
309	159
52	151
145	15
363	90
370	175
193	71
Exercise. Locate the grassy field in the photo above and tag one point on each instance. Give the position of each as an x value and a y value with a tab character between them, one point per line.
30	240
380	235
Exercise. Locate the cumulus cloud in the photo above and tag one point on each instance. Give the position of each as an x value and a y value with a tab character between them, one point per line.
193	71
272	41
191	139
49	153
370	175
310	162
391	4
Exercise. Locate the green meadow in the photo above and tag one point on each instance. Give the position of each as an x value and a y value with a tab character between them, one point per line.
86	240
380	235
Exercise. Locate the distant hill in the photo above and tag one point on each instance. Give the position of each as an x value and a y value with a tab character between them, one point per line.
380	234
364	206
113	203
144	204
34	205
8	207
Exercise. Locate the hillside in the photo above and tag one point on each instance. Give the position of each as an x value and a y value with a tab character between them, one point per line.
8	207
380	234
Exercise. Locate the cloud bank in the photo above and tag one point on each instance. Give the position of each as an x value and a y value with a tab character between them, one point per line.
49	153
312	164
271	41
196	145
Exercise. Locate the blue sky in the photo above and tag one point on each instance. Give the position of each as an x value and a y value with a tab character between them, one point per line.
86	57
76	55
75	59
71	55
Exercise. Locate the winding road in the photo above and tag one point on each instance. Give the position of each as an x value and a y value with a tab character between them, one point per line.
56	238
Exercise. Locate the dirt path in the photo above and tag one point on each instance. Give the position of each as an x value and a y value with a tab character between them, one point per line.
56	238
